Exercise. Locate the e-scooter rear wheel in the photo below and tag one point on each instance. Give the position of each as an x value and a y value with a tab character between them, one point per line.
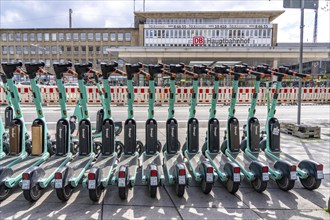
123	192
232	186
310	182
259	185
4	192
206	187
95	194
153	191
33	194
285	183
180	189
65	193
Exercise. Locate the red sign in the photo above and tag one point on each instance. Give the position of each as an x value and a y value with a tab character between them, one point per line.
198	40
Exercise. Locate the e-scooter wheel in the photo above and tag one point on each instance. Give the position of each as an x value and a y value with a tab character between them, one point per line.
232	186
183	149
73	148
224	147
310	182
139	147
64	193
204	148
118	130
180	189
97	147
159	146
123	192
95	194
153	191
119	148
259	185
33	194
285	183
206	187
4	192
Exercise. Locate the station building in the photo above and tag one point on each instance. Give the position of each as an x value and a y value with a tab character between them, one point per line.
169	37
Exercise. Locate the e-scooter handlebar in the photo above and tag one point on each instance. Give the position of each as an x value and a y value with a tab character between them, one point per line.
107	69
226	70
154	69
286	70
62	68
11	68
33	68
81	69
133	69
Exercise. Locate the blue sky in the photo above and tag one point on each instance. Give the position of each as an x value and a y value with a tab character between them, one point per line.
119	13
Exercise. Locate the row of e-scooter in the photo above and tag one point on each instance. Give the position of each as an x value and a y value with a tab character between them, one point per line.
37	162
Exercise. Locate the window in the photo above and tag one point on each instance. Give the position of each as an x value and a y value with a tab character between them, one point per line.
32	37
47	49
60	36
18	37
4	50
105	36
75	36
83	36
76	49
97	36
98	62
11	37
68	49
40	50
25	50
90	36
47	62
25	37
4	60
46	36
128	36
112	36
60	49
32	49
105	49
54	61
120	36
54	49
3	37
98	49
39	36
90	49
54	37
68	36
83	49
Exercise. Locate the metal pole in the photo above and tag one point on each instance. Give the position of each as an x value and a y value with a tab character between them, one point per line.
70	18
144	5
300	58
316	11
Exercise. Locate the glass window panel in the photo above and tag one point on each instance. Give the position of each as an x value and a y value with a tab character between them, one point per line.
4	50
105	49
47	49
75	37
68	36
39	36
90	36
18	50
18	37
112	36
83	36
3	37
32	49
11	37
105	36
54	36
97	36
46	36
61	36
32	37
128	36
25	50
11	49
54	49
120	36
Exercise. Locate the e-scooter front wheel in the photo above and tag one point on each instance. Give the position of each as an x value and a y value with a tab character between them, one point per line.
285	183
123	192
4	192
33	194
310	182
64	193
259	185
180	190
95	194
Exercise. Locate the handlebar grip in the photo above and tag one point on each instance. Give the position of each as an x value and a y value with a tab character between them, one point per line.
300	75
255	73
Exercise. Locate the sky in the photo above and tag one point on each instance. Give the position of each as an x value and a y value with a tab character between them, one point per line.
119	13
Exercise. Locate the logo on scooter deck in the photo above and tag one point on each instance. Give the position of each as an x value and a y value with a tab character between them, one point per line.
151	132
107	132
172	132
83	133
194	131
130	132
60	133
276	131
235	130
215	132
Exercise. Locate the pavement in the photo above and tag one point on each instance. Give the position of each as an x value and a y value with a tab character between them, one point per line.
298	203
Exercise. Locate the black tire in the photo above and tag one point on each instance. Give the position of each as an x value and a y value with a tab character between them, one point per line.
262	144
206	187
258	185
97	147
73	148
232	186
285	183
51	148
65	193
164	147
123	192
243	145
119	148
4	192
180	190
153	191
95	194
310	182
33	194
159	146
204	148
183	149
118	130
139	147
224	147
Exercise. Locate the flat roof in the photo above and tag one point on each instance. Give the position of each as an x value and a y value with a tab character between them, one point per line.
209	14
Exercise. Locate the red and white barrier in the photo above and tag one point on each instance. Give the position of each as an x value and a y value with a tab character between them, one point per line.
287	95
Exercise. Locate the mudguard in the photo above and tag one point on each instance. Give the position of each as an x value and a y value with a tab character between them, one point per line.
67	173
98	176
284	167
151	136
130	137
150	168
203	171
229	170
35	173
5	172
108	137
193	135
214	135
178	167
172	141
256	168
124	168
310	166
